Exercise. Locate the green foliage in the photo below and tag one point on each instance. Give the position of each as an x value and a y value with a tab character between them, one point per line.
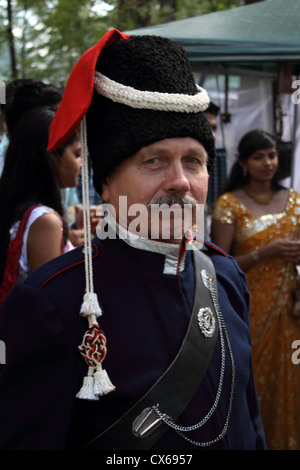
64	31
217	5
50	35
131	14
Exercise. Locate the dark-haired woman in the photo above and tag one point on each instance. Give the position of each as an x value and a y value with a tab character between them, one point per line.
31	207
257	221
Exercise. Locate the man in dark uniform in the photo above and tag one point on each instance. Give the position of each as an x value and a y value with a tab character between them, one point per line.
176	370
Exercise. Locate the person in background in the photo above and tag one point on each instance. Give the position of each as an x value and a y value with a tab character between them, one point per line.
212	113
142	123
3	145
257	220
31	181
9	90
23	94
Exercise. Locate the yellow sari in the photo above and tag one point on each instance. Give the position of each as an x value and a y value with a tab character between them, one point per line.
273	328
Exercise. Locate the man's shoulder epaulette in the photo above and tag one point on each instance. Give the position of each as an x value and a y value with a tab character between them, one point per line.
214	249
209	247
53	268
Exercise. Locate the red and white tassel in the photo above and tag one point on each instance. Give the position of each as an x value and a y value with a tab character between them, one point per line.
93	349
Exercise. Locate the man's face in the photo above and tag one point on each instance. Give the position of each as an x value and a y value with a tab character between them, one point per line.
169	171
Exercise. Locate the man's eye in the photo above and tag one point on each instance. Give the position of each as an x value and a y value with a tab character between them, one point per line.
195	161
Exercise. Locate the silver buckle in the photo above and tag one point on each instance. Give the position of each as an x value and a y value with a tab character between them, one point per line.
146	422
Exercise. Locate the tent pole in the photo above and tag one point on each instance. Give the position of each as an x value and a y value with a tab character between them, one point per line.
293	159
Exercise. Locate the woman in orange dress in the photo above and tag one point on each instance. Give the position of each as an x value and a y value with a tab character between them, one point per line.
257	221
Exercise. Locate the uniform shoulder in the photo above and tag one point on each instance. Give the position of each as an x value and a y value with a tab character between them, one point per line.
223	262
212	249
55	267
225	265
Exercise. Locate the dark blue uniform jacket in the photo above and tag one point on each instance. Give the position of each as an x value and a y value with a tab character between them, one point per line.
145	317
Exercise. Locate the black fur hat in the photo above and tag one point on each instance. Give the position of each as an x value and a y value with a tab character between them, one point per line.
116	131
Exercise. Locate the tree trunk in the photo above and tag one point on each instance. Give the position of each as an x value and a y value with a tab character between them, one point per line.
11	41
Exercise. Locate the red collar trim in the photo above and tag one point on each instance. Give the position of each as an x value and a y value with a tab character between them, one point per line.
68	267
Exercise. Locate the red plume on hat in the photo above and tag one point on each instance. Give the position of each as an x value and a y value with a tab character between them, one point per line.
78	92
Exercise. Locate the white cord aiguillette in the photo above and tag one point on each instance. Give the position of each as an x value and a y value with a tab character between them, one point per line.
93	346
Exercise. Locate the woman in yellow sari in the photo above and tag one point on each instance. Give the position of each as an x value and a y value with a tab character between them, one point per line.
257	221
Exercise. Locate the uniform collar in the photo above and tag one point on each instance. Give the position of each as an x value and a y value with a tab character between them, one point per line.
174	253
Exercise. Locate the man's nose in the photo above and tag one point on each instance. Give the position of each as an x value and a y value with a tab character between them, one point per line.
176	179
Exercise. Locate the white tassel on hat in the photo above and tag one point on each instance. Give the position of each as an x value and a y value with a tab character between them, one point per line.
93	346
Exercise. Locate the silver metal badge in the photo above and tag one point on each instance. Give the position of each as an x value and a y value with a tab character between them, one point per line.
207	322
206	278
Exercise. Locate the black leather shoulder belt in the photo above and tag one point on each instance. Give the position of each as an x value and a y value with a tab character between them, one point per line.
141	427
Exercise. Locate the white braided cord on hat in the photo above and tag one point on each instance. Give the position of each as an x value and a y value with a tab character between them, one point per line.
153	100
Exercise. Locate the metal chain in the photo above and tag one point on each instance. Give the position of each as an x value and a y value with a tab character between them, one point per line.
181	429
